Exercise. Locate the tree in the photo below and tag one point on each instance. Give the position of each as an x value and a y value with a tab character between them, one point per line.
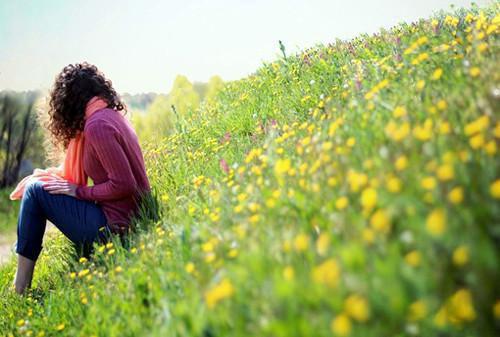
17	125
215	84
183	97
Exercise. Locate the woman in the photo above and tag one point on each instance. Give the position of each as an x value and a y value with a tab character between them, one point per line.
85	119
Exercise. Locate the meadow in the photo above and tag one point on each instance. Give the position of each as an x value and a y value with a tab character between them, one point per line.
349	190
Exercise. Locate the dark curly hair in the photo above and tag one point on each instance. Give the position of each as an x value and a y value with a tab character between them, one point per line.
74	86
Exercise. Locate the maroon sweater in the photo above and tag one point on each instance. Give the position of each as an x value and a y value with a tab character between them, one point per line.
113	159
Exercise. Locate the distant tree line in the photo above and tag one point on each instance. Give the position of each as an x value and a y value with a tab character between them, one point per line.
167	111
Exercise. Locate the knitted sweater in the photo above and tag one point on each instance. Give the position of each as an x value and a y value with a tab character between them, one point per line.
112	158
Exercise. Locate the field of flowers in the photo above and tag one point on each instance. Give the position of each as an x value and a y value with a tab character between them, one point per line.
350	190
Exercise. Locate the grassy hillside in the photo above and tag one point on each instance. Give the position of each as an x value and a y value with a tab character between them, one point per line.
8	212
349	190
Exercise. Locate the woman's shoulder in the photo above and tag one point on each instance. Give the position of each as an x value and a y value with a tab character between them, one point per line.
103	117
103	122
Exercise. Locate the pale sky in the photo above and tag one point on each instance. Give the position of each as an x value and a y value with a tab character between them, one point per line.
142	45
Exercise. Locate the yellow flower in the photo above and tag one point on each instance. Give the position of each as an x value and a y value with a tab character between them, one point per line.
413	258
474	72
417	310
322	243
282	166
224	289
327	273
428	183
189	267
442	105
82	260
401	163
420	85
394	185
111	251
460	256
456	195
445	172
369	198
495	189
341	203
357	308
288	273
460	307
341	325
368	235
60	327
477	125
476	141
301	242
491	147
436	222
351	142
83	272
380	221
496	309
436	75
399	111
233	253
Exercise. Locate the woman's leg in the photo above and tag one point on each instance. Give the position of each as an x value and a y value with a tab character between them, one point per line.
81	221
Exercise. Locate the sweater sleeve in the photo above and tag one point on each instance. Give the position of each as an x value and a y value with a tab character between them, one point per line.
104	139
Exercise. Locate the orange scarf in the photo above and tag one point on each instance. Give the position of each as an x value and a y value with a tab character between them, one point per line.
72	167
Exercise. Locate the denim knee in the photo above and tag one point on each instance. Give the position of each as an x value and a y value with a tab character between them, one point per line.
34	187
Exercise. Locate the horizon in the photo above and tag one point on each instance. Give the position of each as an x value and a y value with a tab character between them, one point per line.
39	38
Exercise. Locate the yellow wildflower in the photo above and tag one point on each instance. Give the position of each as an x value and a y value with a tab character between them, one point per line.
327	273
189	267
394	185
399	111
413	258
401	163
357	308
436	222
474	72
341	325
224	289
380	222
369	198
341	203
461	255
445	172
495	189
428	183
288	273
417	310
301	242
456	195
322	243
436	75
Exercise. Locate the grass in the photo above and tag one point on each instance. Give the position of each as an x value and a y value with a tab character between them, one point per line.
351	189
8	218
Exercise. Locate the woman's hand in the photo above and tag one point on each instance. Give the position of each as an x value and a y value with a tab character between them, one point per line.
60	186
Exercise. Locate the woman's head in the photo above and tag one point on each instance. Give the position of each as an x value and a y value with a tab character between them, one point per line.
75	85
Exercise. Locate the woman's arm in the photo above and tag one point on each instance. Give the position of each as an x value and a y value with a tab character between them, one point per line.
103	138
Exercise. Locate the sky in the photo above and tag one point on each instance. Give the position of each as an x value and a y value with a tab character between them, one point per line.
142	45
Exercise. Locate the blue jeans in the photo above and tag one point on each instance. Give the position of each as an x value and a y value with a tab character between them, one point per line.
81	221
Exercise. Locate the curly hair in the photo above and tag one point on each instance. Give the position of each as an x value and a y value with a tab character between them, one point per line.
74	86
